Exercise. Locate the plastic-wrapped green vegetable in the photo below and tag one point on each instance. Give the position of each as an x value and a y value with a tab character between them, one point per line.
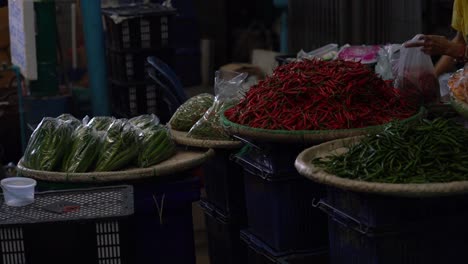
156	146
145	121
209	126
228	87
48	144
120	146
191	111
73	121
84	150
101	123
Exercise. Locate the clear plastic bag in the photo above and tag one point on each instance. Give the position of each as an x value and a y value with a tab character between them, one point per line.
228	91
416	77
191	111
145	121
85	146
73	121
101	123
48	144
393	52
120	146
156	146
458	84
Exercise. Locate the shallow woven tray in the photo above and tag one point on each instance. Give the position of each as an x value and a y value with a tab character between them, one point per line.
181	138
302	136
459	106
306	168
181	161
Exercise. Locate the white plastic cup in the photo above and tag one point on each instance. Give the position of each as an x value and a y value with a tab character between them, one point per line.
18	191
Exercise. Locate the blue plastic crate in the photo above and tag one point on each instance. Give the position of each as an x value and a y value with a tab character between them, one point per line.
224	186
224	242
260	253
380	212
434	243
280	212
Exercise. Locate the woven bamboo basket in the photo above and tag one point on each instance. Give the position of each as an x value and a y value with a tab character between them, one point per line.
181	161
181	138
306	168
303	136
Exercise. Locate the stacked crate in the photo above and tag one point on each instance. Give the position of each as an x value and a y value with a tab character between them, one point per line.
224	209
371	228
282	223
133	33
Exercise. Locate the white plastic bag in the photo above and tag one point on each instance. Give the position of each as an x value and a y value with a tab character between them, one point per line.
416	77
383	68
327	52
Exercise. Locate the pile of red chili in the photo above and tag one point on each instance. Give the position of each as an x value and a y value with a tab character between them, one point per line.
317	95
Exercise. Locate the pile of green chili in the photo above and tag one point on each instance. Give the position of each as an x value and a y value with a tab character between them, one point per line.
431	151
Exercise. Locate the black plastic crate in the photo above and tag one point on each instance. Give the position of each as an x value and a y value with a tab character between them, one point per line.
144	26
260	253
78	226
125	66
280	212
379	212
162	223
272	159
224	242
224	186
429	243
137	98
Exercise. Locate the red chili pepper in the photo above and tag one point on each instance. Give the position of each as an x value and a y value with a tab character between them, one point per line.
315	95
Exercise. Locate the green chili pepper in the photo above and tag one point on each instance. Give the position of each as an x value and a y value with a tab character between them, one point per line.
431	151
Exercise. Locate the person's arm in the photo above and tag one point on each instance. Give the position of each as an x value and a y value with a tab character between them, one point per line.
440	45
447	63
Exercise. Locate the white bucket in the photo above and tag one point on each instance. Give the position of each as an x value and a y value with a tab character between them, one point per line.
18	191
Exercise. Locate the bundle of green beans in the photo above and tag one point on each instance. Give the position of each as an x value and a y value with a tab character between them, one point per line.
156	146
145	121
431	151
48	144
120	146
70	119
101	123
189	112
84	150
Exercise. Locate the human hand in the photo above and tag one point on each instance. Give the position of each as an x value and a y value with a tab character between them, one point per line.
436	45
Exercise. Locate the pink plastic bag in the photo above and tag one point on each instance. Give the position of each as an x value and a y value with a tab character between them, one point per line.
416	77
